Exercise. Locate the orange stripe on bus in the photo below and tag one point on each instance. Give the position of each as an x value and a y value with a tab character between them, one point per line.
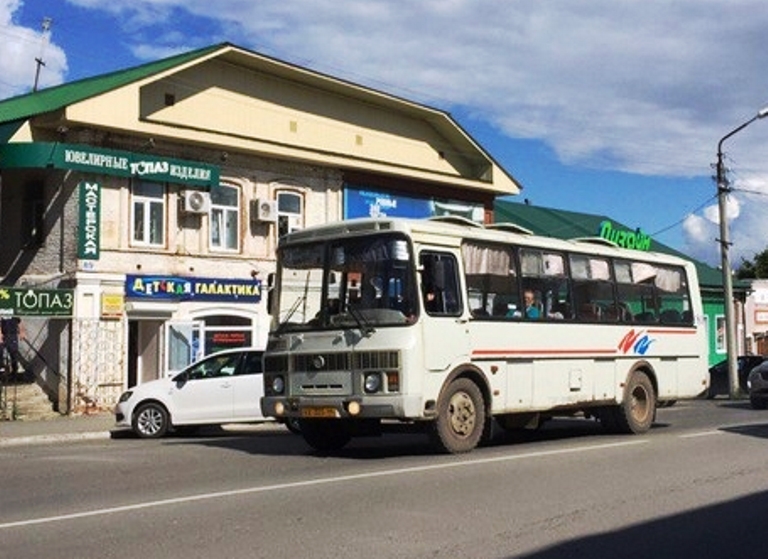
496	352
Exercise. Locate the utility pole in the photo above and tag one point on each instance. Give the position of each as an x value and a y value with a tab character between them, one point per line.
39	60
723	188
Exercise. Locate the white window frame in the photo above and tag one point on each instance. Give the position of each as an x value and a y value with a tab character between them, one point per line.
147	203
221	213
287	219
720	334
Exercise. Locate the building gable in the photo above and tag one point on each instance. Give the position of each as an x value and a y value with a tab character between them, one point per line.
238	100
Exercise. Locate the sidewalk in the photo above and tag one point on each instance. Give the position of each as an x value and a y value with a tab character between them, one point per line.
64	428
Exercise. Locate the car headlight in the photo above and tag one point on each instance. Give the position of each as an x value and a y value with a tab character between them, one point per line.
372	383
278	385
125	396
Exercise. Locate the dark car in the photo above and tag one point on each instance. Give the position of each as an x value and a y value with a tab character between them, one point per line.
758	386
718	374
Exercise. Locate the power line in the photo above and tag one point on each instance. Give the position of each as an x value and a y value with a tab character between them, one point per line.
680	221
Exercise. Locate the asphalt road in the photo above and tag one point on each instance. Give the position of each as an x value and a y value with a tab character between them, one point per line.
695	486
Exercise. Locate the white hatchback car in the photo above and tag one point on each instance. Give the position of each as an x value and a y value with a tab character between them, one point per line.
224	387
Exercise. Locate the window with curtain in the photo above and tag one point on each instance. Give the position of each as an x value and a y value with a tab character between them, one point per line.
492	283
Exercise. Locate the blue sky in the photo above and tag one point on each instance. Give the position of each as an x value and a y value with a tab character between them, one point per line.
612	107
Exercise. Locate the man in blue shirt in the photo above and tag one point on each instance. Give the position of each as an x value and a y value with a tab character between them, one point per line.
531	310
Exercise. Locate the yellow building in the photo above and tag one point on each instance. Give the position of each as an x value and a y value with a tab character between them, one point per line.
140	210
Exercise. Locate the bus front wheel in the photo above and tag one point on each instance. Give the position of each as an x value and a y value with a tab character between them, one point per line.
325	435
460	418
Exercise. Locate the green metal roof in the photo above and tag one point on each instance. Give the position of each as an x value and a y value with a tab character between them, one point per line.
563	224
51	99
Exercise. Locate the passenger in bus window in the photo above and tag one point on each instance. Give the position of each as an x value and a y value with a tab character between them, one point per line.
432	300
531	310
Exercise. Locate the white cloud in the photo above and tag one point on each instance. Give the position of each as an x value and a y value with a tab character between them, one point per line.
747	226
700	234
641	87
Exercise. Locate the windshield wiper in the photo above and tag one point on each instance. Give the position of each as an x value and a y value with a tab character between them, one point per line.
299	300
365	327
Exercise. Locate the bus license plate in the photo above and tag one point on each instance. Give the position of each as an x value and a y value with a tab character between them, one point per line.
319	411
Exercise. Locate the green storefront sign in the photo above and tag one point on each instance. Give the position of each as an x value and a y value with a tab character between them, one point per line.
36	302
107	161
625	238
89	230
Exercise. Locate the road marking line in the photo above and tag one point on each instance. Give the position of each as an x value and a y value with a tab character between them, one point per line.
702	434
309	483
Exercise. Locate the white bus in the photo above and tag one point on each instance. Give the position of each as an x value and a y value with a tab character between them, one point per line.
426	322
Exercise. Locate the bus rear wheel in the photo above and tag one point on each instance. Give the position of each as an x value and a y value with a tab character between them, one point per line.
460	418
325	435
637	411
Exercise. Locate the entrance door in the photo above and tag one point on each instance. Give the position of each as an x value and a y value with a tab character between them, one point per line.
144	350
445	330
184	344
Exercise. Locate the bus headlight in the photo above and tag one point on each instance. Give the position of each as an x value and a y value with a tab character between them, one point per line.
372	383
278	385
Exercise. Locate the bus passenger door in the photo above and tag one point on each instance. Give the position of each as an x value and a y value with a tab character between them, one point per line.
445	333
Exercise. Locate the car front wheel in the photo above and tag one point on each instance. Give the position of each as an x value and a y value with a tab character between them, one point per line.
151	421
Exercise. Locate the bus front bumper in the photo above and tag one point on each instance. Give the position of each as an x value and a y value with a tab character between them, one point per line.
379	407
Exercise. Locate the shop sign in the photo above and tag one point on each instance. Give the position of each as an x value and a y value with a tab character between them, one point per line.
370	203
361	202
112	305
107	161
625	238
36	302
89	223
192	289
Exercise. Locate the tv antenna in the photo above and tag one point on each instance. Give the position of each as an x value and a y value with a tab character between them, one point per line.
39	60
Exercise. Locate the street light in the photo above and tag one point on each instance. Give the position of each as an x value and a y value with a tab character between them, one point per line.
725	245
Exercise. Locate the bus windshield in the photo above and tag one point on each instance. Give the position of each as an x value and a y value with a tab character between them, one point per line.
361	282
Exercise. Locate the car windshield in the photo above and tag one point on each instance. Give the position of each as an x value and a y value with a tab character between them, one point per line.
358	282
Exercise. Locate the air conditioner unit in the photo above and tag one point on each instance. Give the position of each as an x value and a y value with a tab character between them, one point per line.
264	210
196	201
